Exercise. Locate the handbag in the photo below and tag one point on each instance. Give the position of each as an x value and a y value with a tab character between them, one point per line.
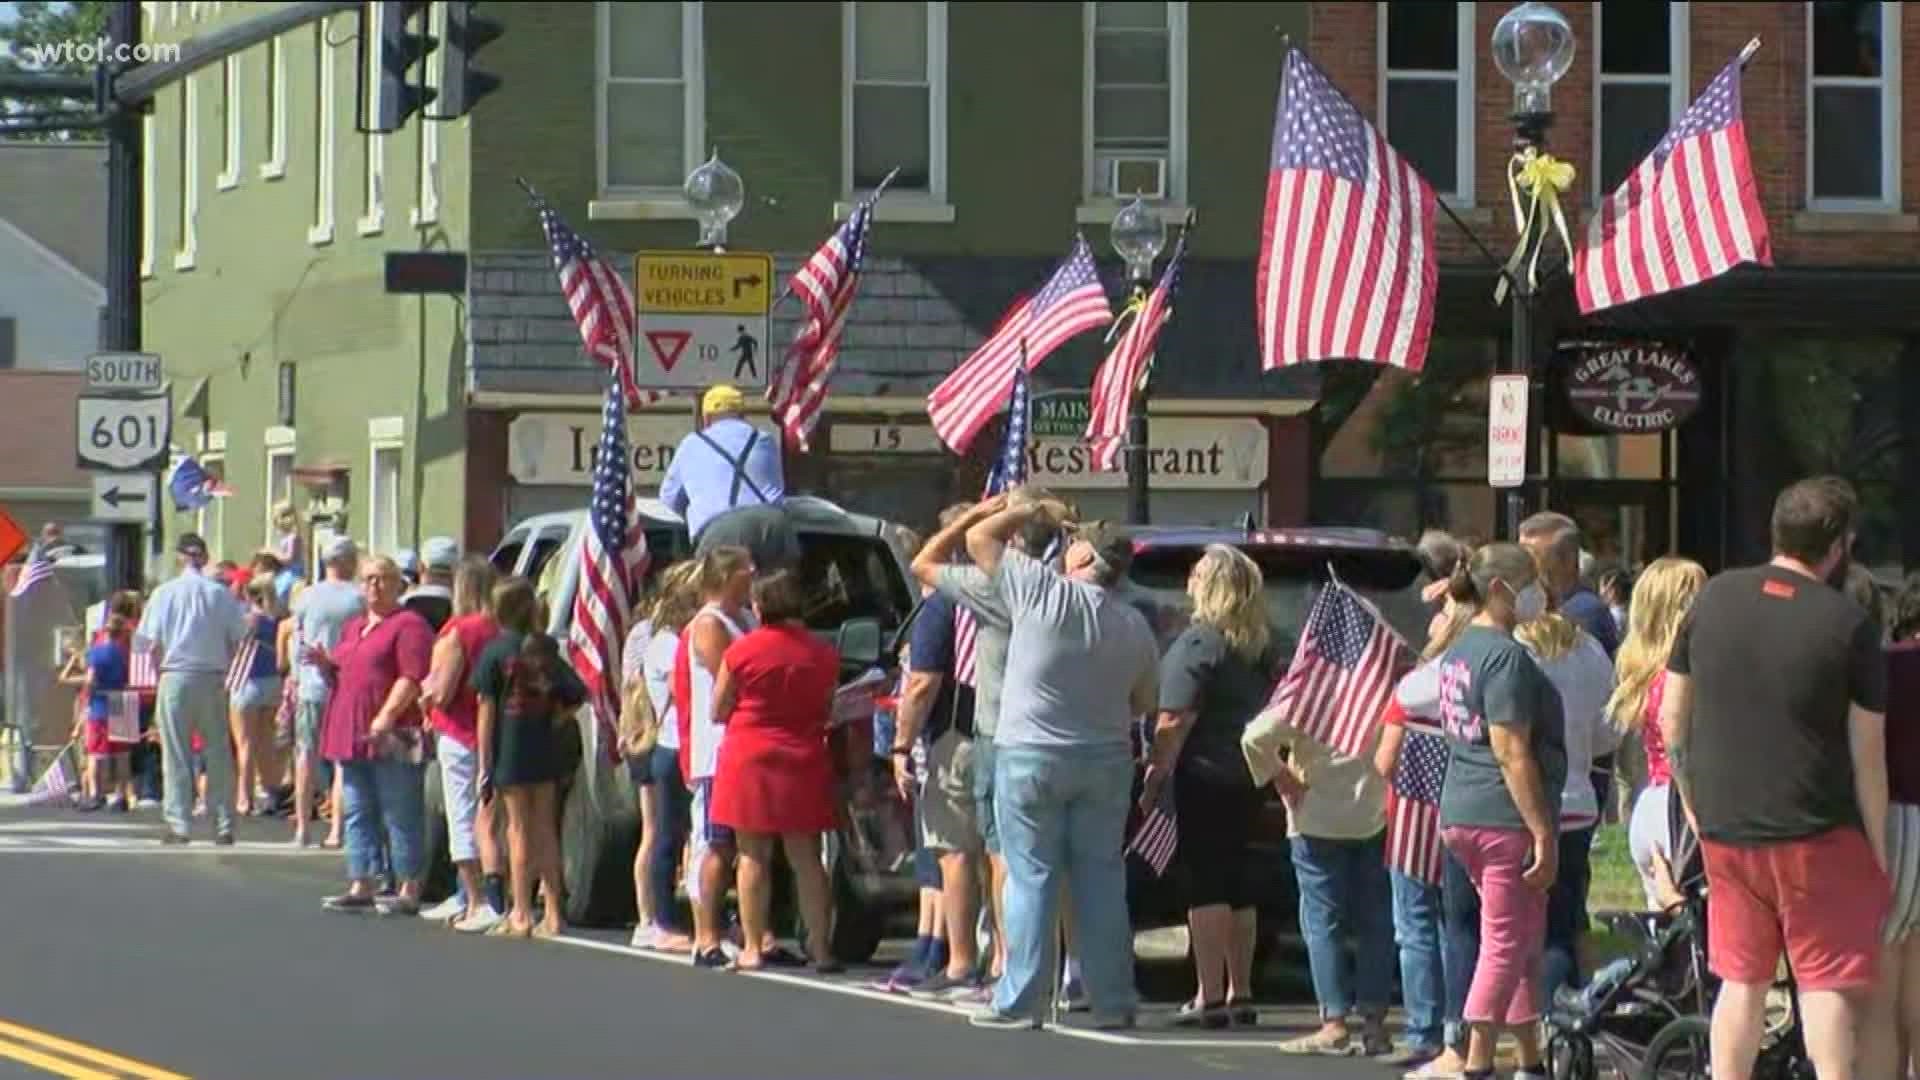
639	721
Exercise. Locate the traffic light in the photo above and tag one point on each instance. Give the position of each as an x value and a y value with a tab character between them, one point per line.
397	94
462	84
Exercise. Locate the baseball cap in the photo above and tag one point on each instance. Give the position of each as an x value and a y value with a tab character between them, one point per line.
722	398
440	553
338	548
1110	545
191	545
409	562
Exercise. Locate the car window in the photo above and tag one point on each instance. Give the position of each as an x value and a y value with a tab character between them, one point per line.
1293	576
506	557
852	577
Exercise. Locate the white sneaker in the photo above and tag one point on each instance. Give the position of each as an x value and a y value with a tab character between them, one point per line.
446	910
486	920
643	937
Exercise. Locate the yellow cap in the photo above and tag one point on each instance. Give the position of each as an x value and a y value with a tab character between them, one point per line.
722	399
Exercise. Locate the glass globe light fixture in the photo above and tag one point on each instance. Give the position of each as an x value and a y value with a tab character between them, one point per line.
1138	234
716	193
1533	48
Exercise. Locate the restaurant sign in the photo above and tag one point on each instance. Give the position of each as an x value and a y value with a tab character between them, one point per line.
1631	387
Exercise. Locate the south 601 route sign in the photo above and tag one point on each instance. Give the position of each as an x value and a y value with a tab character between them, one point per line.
124	434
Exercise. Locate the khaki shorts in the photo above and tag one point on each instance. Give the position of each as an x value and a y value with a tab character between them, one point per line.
948	816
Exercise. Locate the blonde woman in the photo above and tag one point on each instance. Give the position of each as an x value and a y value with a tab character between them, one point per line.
454	711
663	793
1893	1024
253	706
1661	599
1213	681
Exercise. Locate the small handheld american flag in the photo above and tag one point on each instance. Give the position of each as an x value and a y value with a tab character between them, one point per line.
601	303
1342	673
242	667
1158	836
38	569
123	716
1008	471
55	785
143	671
1413	803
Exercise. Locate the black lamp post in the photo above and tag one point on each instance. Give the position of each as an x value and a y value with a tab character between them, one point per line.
1138	234
1532	47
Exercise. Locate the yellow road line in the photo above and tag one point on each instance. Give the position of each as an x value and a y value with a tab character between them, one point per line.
88	1054
49	1063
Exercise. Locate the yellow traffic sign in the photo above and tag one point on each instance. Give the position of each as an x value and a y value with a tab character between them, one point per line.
704	283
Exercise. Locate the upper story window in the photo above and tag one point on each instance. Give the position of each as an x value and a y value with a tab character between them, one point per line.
895	96
1136	100
1641	53
1853	105
275	165
652	95
1427	51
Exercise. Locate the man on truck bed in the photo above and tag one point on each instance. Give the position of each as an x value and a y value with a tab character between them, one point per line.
725	465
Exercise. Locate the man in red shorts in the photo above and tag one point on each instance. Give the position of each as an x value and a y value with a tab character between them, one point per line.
1775	717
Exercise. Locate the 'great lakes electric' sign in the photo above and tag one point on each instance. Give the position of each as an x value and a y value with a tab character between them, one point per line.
1631	387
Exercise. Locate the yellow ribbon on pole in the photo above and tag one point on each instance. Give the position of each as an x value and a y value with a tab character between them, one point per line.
1544	178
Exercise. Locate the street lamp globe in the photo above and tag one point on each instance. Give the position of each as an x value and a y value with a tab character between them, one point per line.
1138	234
716	193
1533	48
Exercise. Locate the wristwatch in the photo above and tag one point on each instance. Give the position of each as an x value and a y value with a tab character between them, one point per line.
903	751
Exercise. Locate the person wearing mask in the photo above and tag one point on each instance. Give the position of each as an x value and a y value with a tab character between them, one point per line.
453	710
193	625
253	706
372	735
1892	1024
1082	663
323	611
1214	680
432	598
726	464
525	691
1661	600
1500	802
726	586
774	780
663	792
1774	715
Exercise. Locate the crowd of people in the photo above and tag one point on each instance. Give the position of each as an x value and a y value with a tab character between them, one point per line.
1034	693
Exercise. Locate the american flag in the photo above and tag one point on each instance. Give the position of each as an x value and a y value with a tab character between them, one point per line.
1342	673
1689	212
241	669
601	303
193	487
38	569
143	671
613	562
1071	302
1413	803
826	284
55	785
1010	470
123	715
1120	376
1158	836
1347	265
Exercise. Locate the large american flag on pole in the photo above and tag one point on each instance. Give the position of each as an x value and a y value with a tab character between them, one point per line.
1413	802
613	561
1010	470
1689	212
1121	375
602	304
826	284
1347	266
1070	303
1342	673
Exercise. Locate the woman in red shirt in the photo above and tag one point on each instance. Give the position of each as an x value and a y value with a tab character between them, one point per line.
774	693
1893	1025
453	710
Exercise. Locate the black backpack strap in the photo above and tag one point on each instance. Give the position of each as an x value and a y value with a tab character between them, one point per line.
738	464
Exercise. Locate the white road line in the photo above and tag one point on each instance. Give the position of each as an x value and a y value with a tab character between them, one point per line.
77	826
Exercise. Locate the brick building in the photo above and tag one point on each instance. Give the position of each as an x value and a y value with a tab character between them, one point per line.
1804	368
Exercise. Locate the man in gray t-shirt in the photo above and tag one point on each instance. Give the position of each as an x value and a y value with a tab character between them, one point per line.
1081	664
320	613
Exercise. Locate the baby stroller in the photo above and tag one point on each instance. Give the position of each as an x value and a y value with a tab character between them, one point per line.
1609	1028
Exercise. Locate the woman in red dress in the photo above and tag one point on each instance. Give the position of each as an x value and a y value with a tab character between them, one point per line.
774	692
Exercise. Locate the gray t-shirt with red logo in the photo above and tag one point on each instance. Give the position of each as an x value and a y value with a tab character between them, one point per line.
1488	679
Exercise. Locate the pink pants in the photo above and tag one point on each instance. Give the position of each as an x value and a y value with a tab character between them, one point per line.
1513	925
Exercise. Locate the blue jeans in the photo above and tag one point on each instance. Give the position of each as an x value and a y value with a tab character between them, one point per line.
1344	893
1062	816
1567	913
670	832
1416	929
1459	942
386	809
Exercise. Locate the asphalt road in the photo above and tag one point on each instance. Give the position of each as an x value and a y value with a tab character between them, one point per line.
125	959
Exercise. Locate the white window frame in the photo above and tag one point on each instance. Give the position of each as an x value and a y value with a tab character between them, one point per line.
1466	48
1679	77
374	145
1100	209
1888	84
189	193
275	166
385	434
280	444
210	521
149	181
932	205
635	202
231	148
321	231
426	197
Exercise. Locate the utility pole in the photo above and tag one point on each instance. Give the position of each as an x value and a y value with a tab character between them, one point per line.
125	213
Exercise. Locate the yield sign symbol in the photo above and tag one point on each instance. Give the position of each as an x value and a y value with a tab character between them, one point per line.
667	345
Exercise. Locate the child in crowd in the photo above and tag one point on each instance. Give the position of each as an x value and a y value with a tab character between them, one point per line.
287	545
256	760
106	684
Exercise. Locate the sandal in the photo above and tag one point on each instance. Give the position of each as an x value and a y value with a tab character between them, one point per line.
1196	1014
506	929
546	932
1322	1044
781	956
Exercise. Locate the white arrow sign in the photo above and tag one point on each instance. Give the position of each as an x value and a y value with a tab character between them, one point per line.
123	434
